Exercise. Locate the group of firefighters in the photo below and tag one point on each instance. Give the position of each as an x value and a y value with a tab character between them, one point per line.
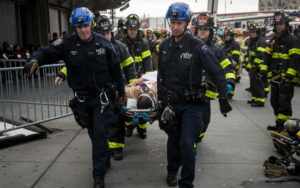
193	66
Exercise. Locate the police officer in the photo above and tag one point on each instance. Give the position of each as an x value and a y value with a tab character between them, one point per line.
121	30
255	52
93	67
182	58
232	48
281	64
204	25
117	131
139	49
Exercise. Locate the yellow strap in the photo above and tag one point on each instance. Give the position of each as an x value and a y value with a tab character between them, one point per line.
132	80
267	89
143	126
294	51
263	67
128	123
201	135
114	145
261	49
138	59
64	71
283	117
291	71
269	74
127	62
230	75
249	66
225	63
268	50
146	54
211	94
280	56
256	60
258	99
233	52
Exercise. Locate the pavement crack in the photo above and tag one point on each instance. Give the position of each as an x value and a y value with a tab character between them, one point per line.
51	164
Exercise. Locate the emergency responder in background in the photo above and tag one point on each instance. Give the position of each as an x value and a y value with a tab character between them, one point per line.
240	39
255	58
152	45
281	63
117	131
163	33
121	30
267	40
181	60
233	50
139	49
204	29
93	68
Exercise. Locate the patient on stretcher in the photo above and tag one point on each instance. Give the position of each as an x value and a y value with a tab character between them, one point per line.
142	94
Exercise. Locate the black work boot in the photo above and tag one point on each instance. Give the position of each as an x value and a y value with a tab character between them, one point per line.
142	133
128	132
99	183
117	154
250	101
172	179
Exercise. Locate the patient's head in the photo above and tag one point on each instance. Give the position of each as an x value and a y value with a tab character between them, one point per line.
145	100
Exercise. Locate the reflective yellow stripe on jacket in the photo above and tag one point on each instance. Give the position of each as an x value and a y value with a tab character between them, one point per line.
146	54
127	62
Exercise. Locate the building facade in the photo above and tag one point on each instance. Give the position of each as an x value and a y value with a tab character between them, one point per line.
278	4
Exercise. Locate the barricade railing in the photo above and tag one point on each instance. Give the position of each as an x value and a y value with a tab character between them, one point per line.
7	63
28	101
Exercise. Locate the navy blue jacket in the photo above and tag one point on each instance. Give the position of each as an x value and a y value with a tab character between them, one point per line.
181	65
92	65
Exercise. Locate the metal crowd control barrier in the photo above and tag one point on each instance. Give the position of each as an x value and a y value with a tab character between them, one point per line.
6	63
28	101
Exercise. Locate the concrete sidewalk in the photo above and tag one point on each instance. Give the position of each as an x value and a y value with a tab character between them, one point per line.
230	155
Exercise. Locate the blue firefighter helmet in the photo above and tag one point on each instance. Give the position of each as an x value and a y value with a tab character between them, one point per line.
179	11
81	16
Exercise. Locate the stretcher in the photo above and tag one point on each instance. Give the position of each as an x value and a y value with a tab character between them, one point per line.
137	115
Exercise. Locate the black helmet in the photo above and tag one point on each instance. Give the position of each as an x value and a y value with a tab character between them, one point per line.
121	23
102	24
254	27
205	20
230	32
281	17
132	21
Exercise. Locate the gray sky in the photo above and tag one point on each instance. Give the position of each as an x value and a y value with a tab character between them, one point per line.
158	8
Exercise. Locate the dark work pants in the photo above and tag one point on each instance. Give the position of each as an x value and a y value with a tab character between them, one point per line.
181	149
281	101
98	125
258	90
117	133
205	119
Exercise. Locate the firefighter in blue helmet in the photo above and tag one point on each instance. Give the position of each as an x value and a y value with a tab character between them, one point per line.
182	59
93	70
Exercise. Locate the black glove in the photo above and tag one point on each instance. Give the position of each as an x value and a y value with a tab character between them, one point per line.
61	75
224	106
31	67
